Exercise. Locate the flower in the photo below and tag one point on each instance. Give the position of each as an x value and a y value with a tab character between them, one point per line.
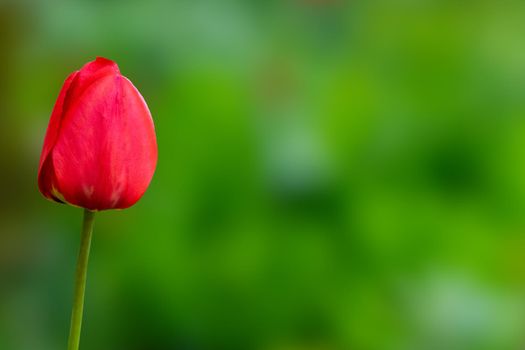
100	149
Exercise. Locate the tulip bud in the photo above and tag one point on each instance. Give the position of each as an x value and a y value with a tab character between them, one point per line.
100	149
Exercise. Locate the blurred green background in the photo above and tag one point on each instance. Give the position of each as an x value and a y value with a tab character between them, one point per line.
333	175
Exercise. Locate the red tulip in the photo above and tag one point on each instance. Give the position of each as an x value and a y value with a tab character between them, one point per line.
100	149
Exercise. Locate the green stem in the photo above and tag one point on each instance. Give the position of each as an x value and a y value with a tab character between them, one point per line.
80	280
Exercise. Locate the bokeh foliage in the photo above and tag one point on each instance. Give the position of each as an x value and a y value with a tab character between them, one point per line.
332	175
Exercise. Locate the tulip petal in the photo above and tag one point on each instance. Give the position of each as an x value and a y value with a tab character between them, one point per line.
72	90
45	171
89	74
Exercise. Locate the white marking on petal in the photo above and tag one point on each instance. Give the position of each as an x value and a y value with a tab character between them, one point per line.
88	190
115	195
